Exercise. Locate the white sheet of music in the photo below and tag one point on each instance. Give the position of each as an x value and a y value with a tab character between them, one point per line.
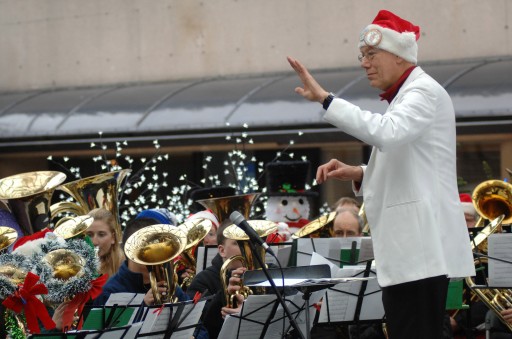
282	253
133	331
330	248
341	301
248	329
156	321
190	315
188	319
210	254
125	299
500	273
234	326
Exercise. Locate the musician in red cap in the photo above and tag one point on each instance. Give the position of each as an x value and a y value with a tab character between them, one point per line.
409	185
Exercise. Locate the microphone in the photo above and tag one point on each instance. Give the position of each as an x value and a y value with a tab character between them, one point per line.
239	220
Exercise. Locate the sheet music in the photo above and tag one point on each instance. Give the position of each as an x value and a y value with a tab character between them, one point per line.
238	327
189	317
276	327
125	299
133	331
500	273
156	321
341	300
282	253
249	329
205	254
330	248
366	250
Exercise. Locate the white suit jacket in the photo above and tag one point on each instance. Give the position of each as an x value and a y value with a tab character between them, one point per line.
410	183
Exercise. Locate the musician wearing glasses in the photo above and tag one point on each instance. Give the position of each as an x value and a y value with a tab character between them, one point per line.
409	185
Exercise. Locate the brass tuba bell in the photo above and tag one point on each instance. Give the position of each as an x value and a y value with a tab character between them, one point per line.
195	230
28	196
316	228
223	207
74	227
97	191
8	236
491	199
65	264
155	246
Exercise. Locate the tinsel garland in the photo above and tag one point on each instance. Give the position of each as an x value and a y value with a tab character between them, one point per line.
61	290
14	326
17	261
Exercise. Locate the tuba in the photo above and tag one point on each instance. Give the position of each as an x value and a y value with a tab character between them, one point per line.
223	207
28	196
195	230
263	228
97	191
491	199
156	246
65	264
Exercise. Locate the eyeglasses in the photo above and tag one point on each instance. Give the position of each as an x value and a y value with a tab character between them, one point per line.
368	56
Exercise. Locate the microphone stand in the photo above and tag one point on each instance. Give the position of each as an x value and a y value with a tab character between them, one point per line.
276	291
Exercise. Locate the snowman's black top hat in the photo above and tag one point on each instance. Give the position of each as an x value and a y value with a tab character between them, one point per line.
287	178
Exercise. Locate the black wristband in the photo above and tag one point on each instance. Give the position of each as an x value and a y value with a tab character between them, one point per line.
328	101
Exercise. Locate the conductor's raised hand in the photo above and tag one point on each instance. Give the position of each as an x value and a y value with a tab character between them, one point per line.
311	89
336	169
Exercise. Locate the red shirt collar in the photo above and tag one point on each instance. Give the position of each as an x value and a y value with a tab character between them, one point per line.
391	92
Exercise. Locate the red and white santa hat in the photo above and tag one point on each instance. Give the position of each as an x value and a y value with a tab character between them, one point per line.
393	34
467	203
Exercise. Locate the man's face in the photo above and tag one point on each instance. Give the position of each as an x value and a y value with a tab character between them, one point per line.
470	219
382	68
229	249
346	225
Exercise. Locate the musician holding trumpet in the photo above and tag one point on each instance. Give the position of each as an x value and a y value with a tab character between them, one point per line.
409	185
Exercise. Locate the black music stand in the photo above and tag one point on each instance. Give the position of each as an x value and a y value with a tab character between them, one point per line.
314	278
164	320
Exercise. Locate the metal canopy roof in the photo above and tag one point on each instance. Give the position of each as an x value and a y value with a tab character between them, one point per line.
481	91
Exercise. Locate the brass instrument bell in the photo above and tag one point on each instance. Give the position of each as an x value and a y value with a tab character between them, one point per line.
97	191
316	228
74	227
223	207
493	198
65	264
195	230
155	246
8	236
28	196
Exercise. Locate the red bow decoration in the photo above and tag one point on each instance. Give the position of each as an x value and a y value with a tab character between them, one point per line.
24	299
76	305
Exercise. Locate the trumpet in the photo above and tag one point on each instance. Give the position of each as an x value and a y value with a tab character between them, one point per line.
156	246
195	230
263	228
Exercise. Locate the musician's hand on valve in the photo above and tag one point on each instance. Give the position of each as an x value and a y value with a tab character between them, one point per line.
226	310
335	169
149	298
234	281
187	273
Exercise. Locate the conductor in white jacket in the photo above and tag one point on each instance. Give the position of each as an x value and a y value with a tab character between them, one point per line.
409	186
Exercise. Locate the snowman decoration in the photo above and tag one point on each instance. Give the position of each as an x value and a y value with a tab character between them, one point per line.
288	201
